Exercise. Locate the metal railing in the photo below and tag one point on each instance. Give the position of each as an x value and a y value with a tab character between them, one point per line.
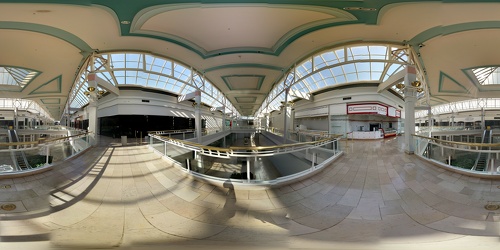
41	153
201	159
459	156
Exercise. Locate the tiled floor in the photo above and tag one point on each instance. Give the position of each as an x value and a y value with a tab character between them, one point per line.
374	197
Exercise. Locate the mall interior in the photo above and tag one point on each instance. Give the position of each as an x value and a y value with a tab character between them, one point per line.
214	124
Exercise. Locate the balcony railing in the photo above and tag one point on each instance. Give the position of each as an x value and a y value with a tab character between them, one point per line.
219	164
39	155
460	156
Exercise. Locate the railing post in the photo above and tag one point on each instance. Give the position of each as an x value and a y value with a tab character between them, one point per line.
312	160
165	148
248	169
47	152
188	165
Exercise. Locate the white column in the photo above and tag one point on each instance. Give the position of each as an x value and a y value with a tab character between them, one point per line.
483	114
223	118
410	100
248	170
267	122
431	121
92	115
286	116
197	116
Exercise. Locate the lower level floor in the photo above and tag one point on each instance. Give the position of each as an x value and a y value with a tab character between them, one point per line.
127	197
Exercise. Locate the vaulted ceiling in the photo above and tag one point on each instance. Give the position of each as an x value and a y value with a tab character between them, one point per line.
244	47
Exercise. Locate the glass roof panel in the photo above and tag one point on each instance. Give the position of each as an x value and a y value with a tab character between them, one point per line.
378	52
344	65
16	76
149	71
358	53
392	69
304	68
487	75
340	54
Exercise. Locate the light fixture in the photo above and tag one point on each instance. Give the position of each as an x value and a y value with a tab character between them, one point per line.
91	89
101	92
416	84
125	22
86	93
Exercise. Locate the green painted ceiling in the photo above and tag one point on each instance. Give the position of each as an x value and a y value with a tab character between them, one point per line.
447	81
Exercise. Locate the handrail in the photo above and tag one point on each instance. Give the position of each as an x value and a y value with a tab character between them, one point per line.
171	131
40	141
246	148
460	143
64	138
238	151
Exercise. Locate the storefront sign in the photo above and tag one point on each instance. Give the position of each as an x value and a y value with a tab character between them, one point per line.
373	109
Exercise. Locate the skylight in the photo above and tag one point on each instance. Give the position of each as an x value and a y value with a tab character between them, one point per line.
16	76
122	68
341	65
487	75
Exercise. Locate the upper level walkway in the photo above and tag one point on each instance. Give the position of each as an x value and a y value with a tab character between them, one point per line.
374	197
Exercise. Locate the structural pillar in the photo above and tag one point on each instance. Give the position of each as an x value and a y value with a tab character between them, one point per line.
92	115
197	116
223	118
431	121
410	100
286	114
483	114
92	109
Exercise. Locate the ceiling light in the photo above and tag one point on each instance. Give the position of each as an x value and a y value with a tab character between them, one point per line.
125	22
416	84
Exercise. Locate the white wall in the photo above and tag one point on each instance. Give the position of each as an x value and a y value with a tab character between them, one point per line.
338	121
314	123
277	120
357	94
129	102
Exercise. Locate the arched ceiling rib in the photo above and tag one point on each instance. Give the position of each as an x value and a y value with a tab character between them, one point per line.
222	42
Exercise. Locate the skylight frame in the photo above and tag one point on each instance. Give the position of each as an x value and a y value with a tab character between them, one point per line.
17	76
348	64
151	71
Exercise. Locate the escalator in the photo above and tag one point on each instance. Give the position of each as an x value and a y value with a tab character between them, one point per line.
19	157
483	157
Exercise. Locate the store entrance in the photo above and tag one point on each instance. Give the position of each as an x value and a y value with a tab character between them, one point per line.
374	126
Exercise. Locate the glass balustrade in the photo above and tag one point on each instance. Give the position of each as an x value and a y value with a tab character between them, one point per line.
477	158
264	163
18	157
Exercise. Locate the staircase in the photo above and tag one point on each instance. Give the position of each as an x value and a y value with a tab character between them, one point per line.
483	157
18	157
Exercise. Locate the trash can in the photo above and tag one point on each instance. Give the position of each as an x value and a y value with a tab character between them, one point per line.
124	140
